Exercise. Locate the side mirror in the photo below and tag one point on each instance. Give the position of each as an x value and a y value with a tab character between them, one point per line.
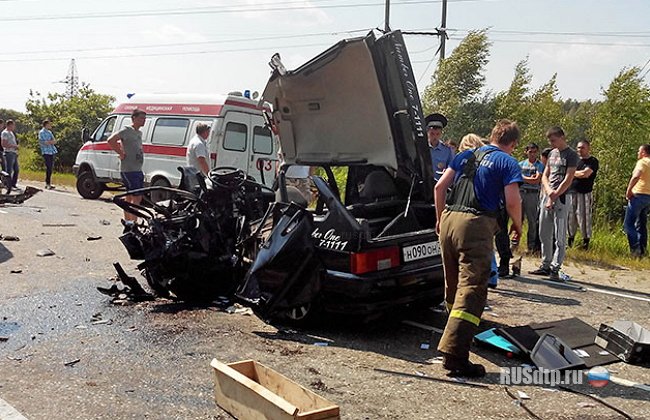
84	135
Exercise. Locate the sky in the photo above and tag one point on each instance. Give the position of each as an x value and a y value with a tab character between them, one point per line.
218	46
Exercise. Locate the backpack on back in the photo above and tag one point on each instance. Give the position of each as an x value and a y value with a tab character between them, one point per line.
462	196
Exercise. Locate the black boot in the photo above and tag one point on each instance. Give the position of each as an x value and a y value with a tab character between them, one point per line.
570	241
585	244
462	367
504	268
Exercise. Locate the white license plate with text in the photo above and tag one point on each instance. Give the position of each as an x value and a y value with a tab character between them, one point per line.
420	251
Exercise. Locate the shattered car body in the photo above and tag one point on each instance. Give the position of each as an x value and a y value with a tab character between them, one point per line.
189	243
10	196
354	107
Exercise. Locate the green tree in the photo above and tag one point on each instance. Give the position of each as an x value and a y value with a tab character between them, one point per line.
514	102
17	116
620	125
543	110
69	116
457	81
578	119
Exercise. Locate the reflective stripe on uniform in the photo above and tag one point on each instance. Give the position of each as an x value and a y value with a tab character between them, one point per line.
465	316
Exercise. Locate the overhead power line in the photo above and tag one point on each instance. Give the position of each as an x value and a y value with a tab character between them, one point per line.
523	41
100	57
624	34
220	10
186	44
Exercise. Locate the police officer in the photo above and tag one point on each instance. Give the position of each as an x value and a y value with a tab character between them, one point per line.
466	228
441	154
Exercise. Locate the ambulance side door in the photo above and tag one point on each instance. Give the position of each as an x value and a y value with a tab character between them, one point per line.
234	141
100	153
264	159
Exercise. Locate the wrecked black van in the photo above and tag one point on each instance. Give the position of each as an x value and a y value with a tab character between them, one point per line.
369	244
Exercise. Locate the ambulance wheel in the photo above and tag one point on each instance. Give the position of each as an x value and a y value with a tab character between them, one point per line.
157	196
88	187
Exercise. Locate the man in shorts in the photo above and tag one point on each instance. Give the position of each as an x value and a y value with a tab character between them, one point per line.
127	143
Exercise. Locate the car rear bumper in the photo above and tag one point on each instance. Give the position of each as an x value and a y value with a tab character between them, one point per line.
367	294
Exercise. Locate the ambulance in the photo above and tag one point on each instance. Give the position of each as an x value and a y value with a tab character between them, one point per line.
239	138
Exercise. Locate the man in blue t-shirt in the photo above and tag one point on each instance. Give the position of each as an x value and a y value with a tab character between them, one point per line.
47	143
441	154
466	231
531	170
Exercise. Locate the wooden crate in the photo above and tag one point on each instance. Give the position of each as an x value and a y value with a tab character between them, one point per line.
250	390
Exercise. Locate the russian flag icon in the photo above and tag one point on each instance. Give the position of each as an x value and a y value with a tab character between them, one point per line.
598	376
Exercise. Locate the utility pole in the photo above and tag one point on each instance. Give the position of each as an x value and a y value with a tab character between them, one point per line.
72	81
387	17
443	30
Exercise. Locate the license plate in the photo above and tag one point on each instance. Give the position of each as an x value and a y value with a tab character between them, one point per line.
420	251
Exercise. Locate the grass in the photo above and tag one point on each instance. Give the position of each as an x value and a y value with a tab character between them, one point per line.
608	248
67	179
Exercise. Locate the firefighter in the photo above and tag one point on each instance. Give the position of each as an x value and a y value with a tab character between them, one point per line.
481	180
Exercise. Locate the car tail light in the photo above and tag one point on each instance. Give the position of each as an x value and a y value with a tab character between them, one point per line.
375	260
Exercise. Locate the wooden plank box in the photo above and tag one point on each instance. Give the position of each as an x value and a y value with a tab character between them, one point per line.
248	390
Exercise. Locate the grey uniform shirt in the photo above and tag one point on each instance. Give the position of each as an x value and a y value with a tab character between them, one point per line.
9	143
558	163
132	146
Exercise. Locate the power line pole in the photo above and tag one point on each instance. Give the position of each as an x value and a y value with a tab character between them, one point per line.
387	17
443	30
72	81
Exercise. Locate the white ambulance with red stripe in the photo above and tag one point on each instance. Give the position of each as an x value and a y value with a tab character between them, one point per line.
238	138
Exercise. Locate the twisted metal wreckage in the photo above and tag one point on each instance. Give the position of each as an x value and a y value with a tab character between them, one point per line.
204	240
9	195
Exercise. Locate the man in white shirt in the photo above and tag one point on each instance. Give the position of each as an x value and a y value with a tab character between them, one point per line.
197	150
10	147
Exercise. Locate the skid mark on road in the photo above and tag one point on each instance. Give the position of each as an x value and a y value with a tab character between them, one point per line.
7	412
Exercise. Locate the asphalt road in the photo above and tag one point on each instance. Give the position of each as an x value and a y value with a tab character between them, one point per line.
71	354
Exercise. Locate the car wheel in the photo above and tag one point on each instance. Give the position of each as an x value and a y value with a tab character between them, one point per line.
157	196
303	315
88	187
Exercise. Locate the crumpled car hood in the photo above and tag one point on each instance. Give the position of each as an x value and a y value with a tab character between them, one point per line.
356	103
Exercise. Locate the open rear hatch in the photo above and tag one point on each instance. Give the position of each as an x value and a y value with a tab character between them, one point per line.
356	103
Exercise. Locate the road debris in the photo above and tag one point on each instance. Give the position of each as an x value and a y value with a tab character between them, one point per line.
58	224
429	378
104	222
518	401
18	271
597	399
132	290
9	238
522	395
239	309
422	326
44	253
3	338
72	362
93	238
